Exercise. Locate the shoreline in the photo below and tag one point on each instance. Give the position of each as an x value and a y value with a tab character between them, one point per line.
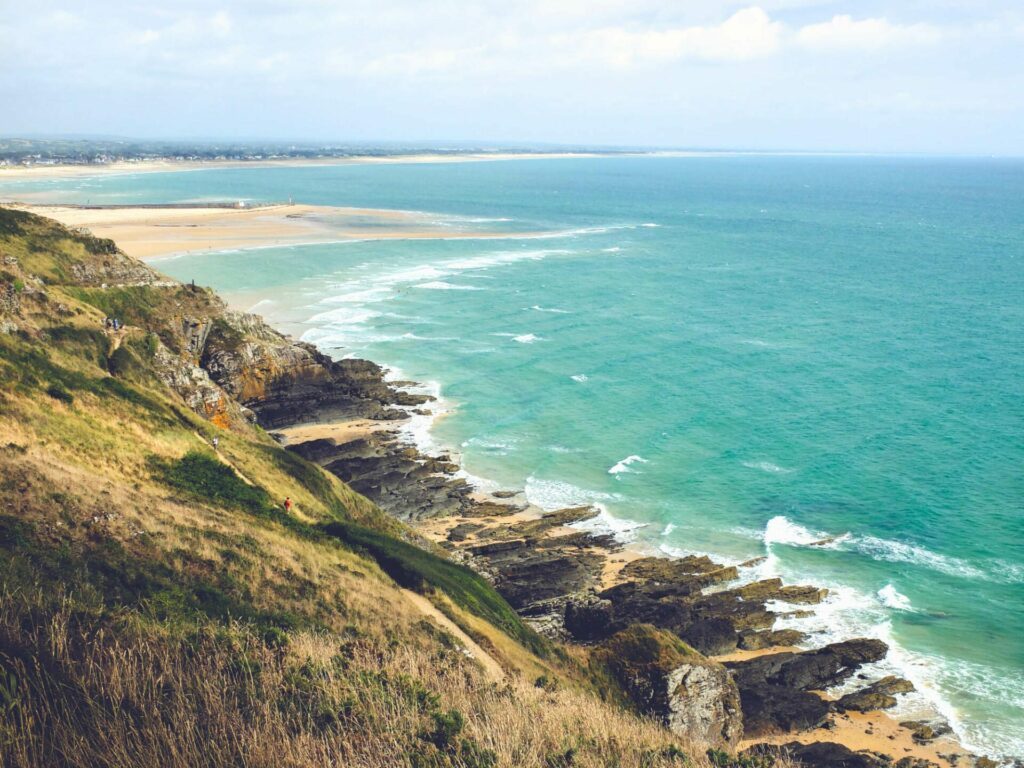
876	731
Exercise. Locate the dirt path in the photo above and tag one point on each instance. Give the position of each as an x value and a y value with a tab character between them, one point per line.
427	608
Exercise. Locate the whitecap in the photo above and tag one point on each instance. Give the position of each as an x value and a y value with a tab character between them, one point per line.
650	225
668	529
558	494
526	338
441	285
623	466
492	445
901	552
890	598
767	466
781	530
580	377
550	309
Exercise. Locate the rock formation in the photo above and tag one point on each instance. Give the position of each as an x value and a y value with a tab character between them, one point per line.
664	678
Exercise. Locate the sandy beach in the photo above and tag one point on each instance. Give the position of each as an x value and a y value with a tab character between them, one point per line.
148	232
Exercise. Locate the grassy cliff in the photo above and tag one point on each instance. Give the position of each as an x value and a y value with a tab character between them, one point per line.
158	606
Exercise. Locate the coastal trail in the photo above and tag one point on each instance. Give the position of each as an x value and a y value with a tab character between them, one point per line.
427	608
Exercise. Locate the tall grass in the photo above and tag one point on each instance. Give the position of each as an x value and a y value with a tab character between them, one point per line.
83	688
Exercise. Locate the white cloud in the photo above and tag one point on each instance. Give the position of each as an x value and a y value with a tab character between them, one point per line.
844	32
220	23
418	62
747	34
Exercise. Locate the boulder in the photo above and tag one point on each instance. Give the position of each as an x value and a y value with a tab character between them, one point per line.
879	695
666	679
759	640
773	709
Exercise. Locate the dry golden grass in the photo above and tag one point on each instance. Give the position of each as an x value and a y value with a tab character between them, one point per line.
113	690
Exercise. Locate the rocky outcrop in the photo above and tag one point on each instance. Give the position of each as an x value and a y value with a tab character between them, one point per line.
753	640
776	689
113	268
10	301
288	382
395	476
826	754
662	677
879	695
673	597
199	392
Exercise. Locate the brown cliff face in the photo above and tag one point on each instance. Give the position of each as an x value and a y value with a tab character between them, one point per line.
288	382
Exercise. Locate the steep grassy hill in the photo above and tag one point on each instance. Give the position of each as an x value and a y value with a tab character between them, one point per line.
158	606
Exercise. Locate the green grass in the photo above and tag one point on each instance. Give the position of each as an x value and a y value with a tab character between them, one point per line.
203	477
46	248
28	368
419	570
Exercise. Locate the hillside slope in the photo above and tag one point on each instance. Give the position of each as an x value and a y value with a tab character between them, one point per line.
159	606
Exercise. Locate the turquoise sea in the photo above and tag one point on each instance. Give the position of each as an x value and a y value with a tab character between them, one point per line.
738	355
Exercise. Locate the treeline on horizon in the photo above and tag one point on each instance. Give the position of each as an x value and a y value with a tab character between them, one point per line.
100	151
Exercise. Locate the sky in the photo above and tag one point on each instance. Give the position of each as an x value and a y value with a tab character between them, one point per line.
931	76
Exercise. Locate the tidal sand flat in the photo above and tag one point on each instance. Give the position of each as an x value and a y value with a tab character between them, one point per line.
150	231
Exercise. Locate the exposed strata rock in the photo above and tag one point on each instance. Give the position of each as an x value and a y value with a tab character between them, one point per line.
116	268
810	670
393	475
693	696
673	597
878	695
665	569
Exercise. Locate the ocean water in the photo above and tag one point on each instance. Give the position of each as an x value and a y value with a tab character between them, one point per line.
733	355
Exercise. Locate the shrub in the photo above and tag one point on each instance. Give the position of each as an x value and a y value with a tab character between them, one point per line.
58	392
201	475
447	727
123	363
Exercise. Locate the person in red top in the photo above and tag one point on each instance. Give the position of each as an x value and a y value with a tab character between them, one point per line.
287	503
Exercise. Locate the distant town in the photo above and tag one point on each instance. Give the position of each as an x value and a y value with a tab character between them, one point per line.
36	152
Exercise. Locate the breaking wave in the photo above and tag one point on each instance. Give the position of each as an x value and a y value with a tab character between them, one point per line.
623	466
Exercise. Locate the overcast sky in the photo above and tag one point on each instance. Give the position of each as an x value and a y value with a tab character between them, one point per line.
902	75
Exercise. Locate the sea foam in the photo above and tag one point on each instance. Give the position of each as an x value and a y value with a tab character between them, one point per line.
623	466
